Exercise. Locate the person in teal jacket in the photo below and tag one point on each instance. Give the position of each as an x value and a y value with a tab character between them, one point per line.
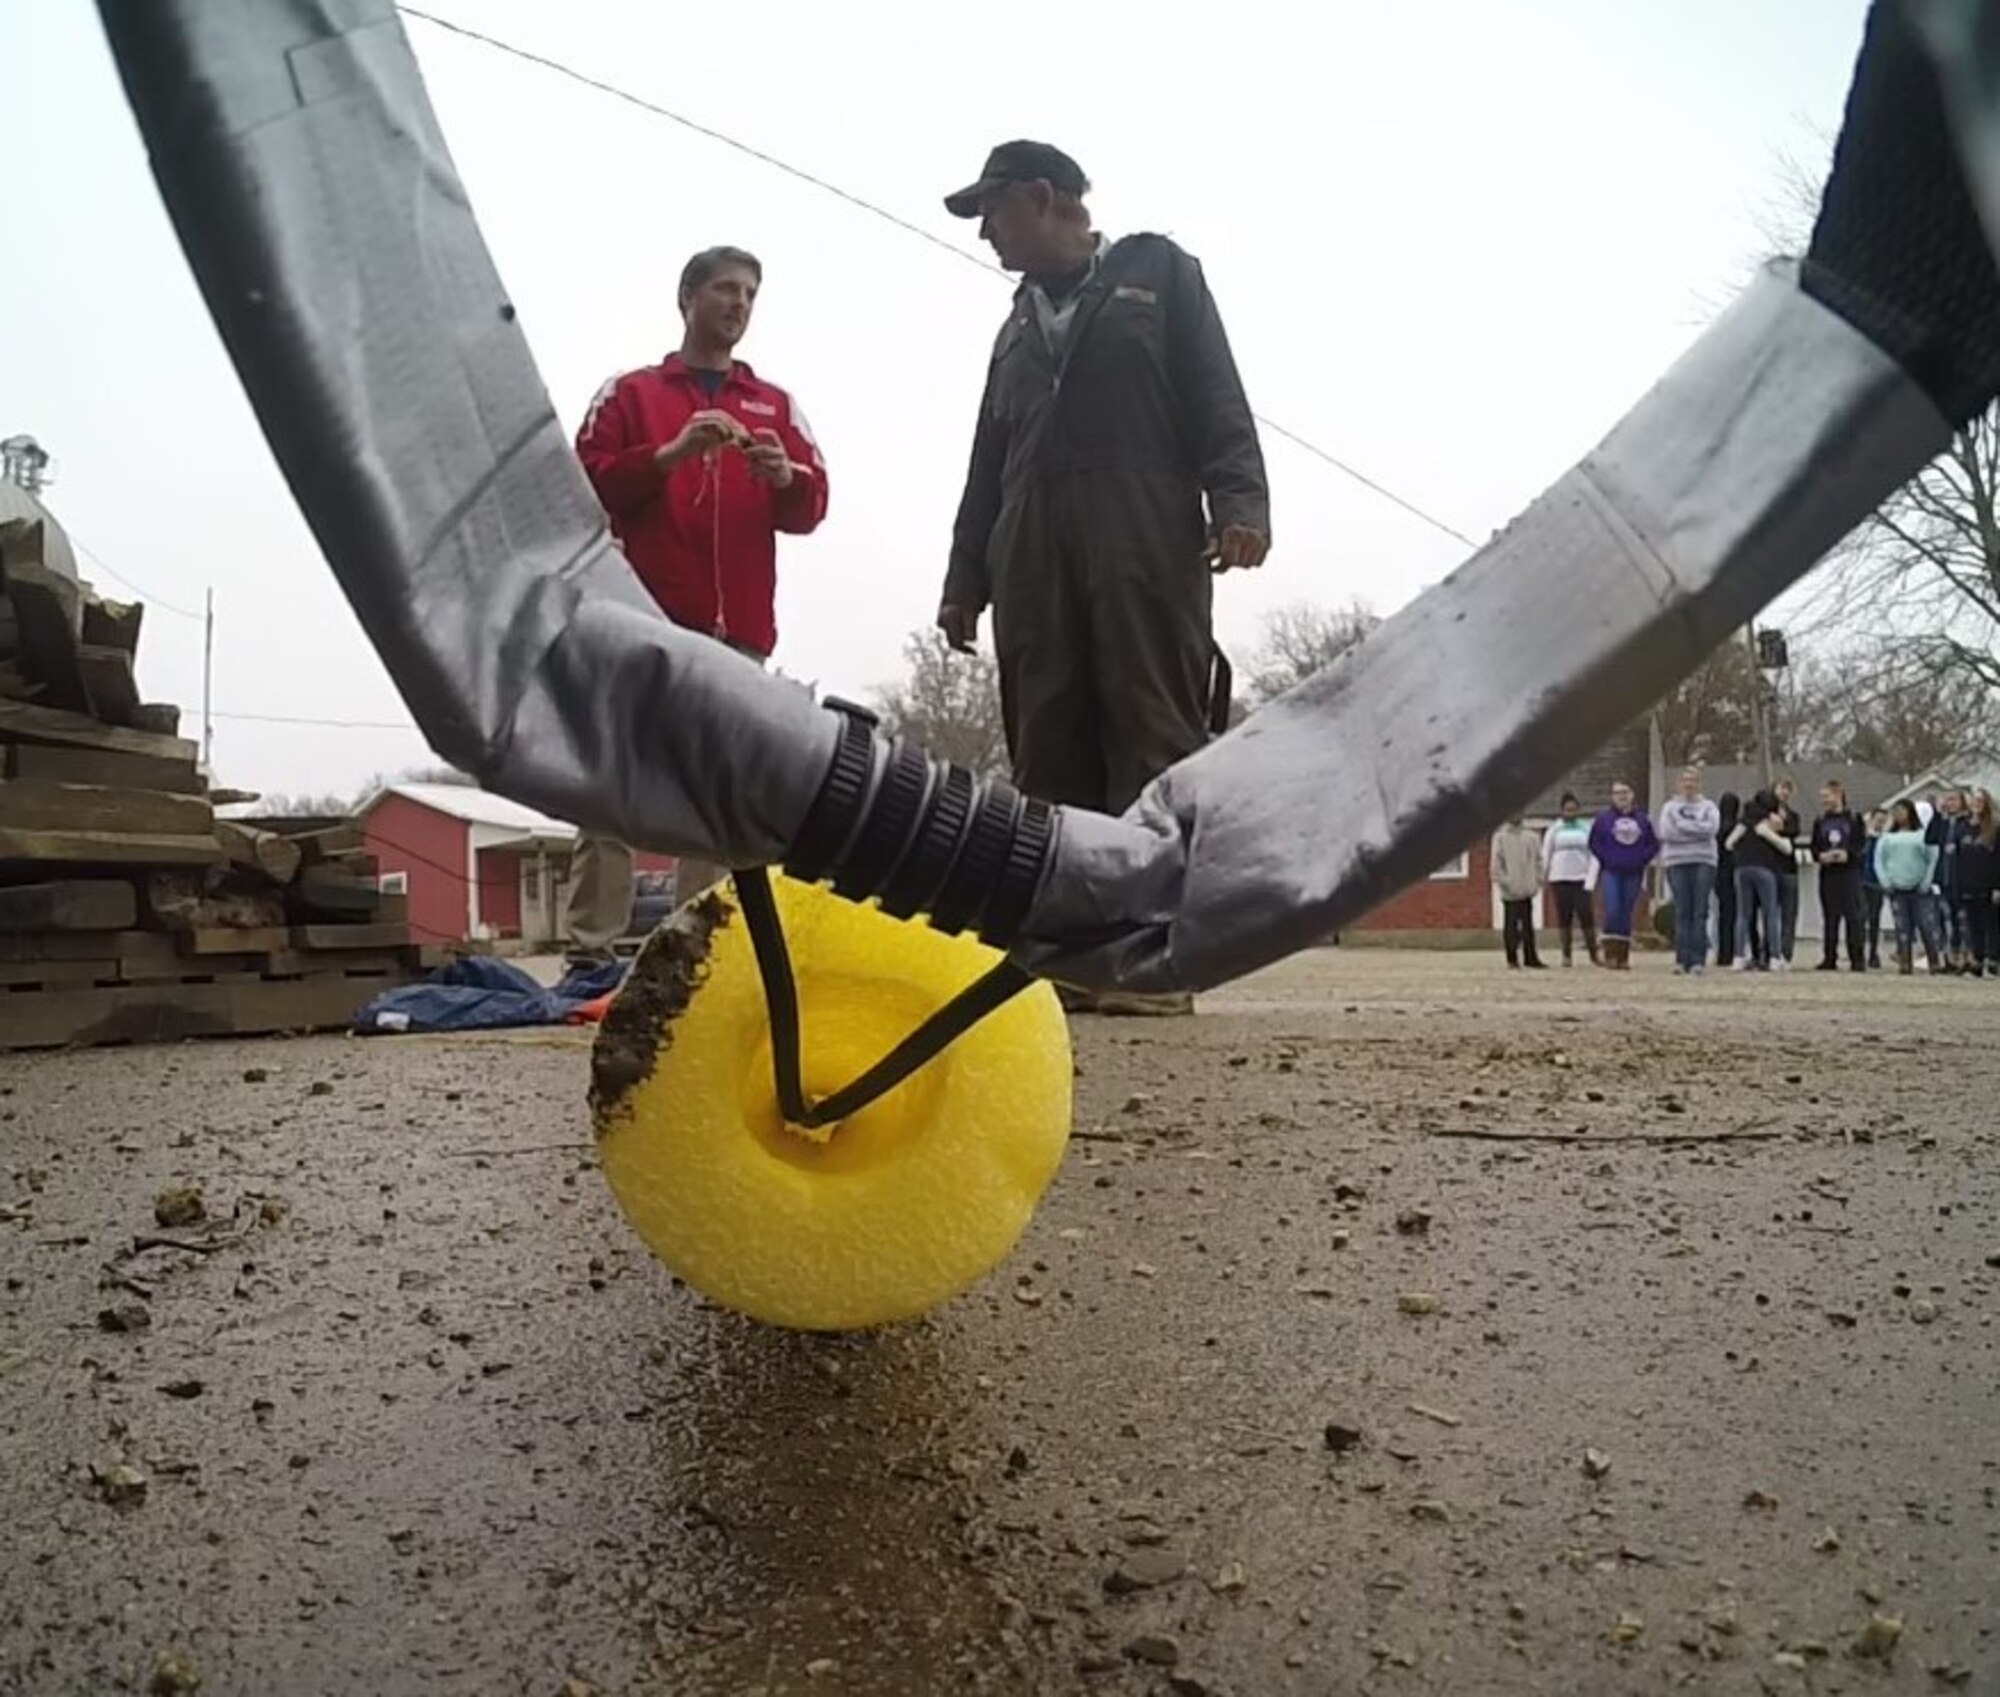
1906	867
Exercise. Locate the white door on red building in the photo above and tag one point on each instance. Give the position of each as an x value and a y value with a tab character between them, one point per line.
544	897
534	898
555	897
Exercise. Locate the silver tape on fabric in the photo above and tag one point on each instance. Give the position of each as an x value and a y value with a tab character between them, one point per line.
299	156
1769	440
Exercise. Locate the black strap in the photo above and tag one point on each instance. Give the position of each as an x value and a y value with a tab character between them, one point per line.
781	995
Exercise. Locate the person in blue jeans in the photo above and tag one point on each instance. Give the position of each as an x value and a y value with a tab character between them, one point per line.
1689	824
1730	807
1950	824
1978	878
1839	843
1871	889
1625	843
1761	848
1907	864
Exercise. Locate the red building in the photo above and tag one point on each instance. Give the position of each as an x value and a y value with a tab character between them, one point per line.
477	867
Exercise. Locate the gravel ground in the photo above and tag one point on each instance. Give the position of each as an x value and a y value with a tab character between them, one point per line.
1399	1324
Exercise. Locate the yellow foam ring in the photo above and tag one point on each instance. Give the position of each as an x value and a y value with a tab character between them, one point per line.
893	1211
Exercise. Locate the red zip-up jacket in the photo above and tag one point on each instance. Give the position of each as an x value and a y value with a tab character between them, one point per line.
703	535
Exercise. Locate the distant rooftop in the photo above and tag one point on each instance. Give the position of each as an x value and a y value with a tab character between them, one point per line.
476	807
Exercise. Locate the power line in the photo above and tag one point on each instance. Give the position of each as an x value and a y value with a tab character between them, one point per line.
144	594
152	600
700	129
1364	480
331	724
865	205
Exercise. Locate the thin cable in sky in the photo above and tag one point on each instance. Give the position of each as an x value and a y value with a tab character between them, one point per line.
1364	480
330	724
869	206
687	123
145	595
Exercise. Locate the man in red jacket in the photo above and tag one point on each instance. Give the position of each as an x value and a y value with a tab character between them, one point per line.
699	463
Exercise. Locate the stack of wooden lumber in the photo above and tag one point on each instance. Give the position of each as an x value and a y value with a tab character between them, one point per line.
128	911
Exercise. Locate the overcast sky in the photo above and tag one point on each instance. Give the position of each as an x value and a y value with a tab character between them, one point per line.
1452	243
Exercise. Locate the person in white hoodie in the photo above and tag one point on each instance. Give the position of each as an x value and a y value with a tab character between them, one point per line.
1688	825
1571	872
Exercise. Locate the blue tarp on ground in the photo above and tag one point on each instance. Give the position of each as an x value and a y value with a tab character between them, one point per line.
480	993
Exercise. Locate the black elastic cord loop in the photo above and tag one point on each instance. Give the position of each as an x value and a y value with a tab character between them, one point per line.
781	991
993	988
781	994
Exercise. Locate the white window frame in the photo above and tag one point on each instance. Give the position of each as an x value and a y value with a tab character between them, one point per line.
1457	869
393	883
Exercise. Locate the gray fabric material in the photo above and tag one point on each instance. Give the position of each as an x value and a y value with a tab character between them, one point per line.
301	163
1777	432
300	160
1104	645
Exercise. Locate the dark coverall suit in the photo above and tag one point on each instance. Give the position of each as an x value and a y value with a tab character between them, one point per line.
1082	524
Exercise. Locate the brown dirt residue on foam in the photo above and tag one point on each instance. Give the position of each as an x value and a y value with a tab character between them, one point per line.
638	1030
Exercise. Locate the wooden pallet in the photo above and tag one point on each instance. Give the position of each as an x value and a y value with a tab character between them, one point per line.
60	988
167	1013
184	946
21	721
18	978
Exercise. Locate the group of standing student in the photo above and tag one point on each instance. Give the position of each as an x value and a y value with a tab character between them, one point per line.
1560	858
1939	880
1576	858
1937	877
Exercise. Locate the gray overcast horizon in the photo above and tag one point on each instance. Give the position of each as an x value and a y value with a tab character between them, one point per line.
1452	245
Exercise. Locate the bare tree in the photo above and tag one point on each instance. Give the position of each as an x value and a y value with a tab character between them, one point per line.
1710	717
1919	582
1910	727
1302	639
436	774
304	806
1870	702
948	703
1816	705
1860	702
1925	570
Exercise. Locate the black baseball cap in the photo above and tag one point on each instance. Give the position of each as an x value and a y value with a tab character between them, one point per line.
1019	162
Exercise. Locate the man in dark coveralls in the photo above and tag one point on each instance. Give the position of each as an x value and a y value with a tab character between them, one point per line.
1115	467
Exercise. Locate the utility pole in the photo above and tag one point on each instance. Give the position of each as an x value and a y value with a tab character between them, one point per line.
208	684
1760	720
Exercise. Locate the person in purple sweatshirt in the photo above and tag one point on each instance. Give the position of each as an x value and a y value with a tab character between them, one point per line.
1625	843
